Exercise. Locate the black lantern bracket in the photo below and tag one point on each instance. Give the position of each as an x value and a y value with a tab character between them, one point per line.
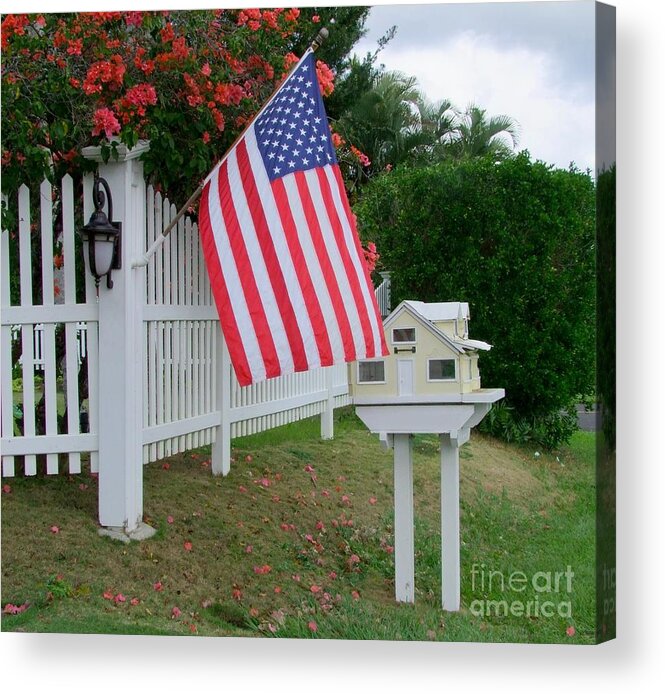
103	227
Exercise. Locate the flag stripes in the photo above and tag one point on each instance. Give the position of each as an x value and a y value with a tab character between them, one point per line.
285	263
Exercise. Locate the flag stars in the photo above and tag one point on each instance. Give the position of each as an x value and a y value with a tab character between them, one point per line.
293	132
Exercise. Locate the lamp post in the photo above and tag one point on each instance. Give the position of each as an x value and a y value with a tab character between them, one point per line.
102	235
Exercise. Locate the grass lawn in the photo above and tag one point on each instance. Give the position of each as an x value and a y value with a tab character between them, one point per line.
297	542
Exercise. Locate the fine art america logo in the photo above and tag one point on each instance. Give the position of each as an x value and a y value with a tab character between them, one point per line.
542	594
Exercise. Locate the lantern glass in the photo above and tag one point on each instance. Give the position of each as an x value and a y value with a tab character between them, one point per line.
104	247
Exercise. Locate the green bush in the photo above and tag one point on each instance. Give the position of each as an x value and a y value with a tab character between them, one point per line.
516	240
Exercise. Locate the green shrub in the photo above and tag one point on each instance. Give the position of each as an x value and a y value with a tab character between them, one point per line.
546	431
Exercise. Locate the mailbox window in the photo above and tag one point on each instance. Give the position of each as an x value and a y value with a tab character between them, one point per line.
371	371
404	335
441	370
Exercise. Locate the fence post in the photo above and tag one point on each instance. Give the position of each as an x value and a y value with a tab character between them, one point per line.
328	411
221	449
121	352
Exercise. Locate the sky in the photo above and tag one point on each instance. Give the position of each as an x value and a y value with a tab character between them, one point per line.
531	61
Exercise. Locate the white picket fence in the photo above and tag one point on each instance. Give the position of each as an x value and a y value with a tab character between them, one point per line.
183	408
39	326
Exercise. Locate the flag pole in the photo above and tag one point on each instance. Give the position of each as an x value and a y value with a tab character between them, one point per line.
143	260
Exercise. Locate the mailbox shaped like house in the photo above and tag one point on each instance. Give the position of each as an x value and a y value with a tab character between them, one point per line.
428	384
432	358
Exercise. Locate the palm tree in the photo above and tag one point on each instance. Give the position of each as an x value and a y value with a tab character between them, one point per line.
386	123
392	122
473	134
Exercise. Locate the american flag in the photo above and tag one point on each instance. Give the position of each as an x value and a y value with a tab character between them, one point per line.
285	262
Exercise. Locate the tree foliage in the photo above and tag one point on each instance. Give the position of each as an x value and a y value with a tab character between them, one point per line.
516	240
188	81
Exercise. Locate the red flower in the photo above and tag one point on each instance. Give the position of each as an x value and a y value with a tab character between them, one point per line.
326	78
312	626
15	609
104	120
75	46
289	60
134	18
167	34
188	546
